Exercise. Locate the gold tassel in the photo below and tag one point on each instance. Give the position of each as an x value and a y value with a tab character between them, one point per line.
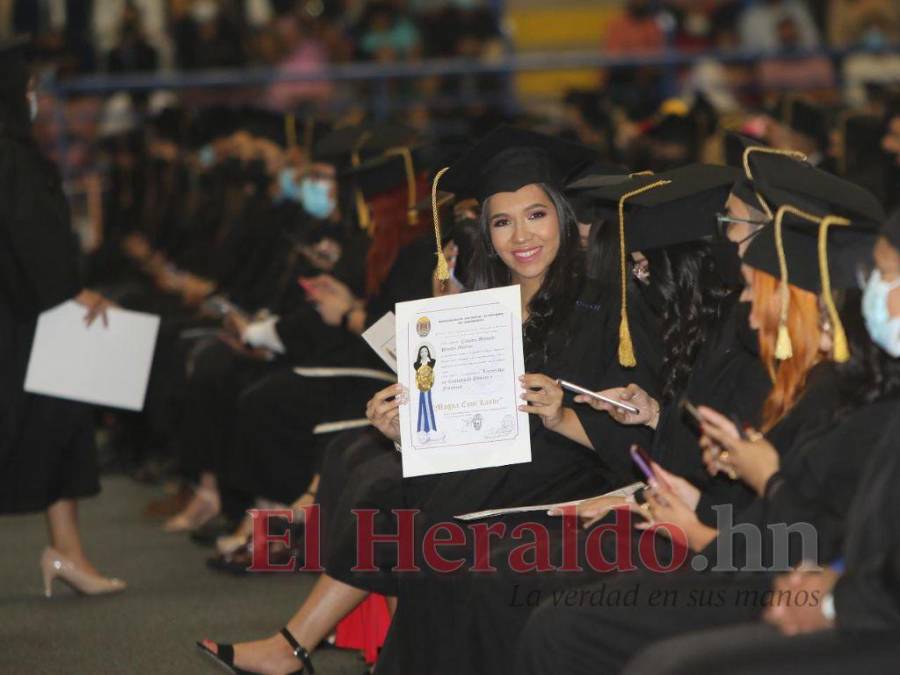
442	272
840	347
783	347
290	130
784	350
626	346
362	210
412	216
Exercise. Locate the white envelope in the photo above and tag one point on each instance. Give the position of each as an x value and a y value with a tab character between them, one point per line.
104	365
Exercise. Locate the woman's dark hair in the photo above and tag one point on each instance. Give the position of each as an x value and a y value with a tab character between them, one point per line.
561	286
418	362
871	374
694	299
15	119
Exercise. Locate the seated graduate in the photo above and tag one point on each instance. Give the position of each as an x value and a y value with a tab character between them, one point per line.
529	237
249	350
849	618
777	465
675	226
275	448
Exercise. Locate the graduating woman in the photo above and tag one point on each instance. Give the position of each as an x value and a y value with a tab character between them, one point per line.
529	237
855	621
47	454
783	466
675	228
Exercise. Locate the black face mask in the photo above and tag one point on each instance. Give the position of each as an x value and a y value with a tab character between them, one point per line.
746	336
728	262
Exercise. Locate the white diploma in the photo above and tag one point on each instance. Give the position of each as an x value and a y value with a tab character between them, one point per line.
381	338
105	365
623	492
459	358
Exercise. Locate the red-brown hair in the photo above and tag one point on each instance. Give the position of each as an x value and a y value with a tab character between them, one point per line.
788	376
392	230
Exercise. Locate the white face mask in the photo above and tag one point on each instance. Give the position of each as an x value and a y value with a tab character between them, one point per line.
882	327
32	105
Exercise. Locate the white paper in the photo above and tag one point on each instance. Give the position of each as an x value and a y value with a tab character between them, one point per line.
469	417
381	338
105	365
626	491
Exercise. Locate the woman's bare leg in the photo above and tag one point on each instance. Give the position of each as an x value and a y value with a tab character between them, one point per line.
330	601
62	527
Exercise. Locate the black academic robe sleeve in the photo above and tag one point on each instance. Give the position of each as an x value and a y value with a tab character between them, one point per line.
38	250
599	325
867	596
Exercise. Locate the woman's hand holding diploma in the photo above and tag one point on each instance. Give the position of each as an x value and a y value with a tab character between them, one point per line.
383	411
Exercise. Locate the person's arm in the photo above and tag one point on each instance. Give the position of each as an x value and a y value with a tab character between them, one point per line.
543	397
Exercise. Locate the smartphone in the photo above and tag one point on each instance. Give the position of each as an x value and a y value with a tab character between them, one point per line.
645	464
691	410
307	285
606	399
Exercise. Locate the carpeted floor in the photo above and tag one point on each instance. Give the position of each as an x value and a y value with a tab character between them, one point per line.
172	599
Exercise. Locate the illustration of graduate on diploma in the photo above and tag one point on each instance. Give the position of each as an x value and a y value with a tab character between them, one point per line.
426	424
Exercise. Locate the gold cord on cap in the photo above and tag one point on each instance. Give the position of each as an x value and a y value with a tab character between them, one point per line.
840	348
362	211
442	272
641	173
783	347
412	214
290	130
309	130
795	154
626	346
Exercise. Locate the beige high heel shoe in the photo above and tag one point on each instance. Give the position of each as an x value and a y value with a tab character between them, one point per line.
55	565
204	507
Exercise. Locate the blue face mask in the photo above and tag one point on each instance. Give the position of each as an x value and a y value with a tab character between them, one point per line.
316	196
288	188
207	156
883	328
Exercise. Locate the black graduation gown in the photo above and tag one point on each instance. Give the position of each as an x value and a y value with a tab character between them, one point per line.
560	470
274	452
815	485
490	610
46	444
729	378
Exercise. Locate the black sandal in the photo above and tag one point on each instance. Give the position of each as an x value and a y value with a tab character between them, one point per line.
224	655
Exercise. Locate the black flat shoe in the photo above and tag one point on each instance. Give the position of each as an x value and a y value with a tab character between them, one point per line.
224	656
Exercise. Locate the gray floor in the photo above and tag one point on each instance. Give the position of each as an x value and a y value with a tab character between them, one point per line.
172	599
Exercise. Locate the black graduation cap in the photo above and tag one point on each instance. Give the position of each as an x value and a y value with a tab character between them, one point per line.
849	250
265	124
508	158
349	145
834	214
394	168
780	179
804	117
662	209
735	145
683	209
583	203
170	124
210	123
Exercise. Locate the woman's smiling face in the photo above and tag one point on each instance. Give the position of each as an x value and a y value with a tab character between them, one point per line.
524	230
